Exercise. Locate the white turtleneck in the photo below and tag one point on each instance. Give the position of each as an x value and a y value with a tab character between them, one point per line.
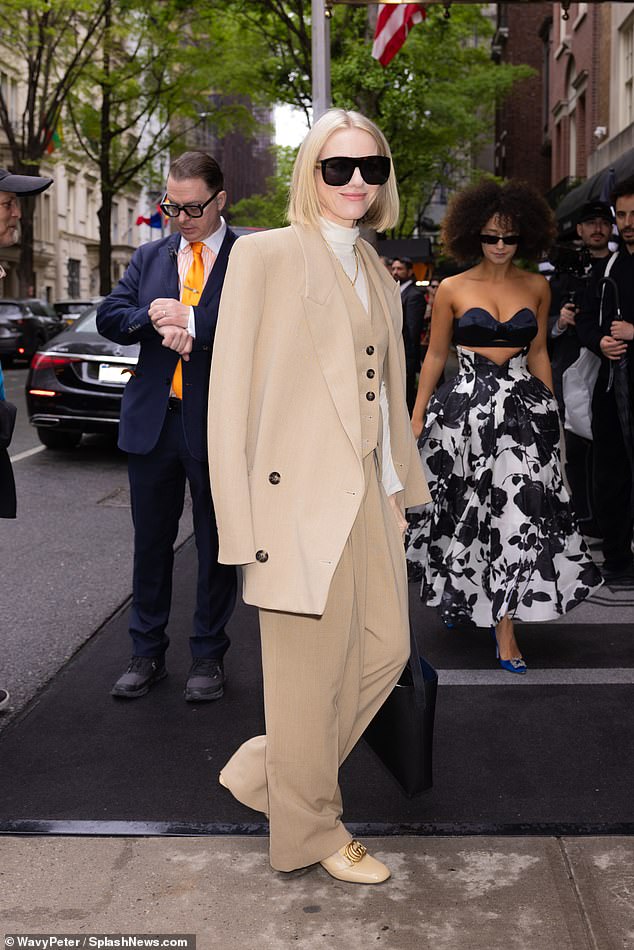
341	241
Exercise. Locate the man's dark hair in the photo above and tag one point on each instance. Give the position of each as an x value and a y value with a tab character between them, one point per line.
626	187
520	208
403	260
198	164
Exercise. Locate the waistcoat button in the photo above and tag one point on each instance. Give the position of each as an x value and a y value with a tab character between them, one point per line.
369	350
370	396
275	478
370	374
261	556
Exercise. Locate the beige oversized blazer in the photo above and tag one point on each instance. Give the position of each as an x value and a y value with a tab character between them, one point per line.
284	418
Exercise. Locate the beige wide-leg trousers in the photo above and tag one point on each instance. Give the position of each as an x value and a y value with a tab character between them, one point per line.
324	679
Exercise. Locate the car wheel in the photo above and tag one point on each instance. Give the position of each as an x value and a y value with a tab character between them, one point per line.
58	439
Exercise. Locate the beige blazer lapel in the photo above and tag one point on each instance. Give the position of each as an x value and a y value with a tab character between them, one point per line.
329	326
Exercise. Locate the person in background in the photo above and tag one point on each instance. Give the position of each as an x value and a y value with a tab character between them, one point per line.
594	229
605	324
168	302
312	460
12	187
413	301
499	541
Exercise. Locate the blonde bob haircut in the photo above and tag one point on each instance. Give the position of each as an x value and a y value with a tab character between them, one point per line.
303	205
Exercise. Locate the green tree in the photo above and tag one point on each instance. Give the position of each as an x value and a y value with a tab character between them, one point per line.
435	101
50	42
148	86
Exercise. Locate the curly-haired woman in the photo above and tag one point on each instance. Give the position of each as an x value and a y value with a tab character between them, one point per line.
499	541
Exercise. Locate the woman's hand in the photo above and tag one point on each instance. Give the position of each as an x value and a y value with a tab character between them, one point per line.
398	514
418	423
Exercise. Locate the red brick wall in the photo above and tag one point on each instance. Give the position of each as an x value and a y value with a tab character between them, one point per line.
580	55
520	119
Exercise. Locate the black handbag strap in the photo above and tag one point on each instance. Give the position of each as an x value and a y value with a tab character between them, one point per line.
418	680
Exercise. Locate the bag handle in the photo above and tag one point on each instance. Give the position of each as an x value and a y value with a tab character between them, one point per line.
418	680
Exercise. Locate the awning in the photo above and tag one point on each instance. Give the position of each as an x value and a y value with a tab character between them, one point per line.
592	189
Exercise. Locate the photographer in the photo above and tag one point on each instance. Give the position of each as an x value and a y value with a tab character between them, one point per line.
567	288
605	326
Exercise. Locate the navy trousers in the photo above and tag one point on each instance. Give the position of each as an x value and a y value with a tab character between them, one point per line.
157	490
612	481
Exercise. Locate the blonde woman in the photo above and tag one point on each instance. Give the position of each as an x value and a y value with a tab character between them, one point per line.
312	461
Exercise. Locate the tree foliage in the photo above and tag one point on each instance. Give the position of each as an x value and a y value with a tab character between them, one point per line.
47	44
149	86
435	101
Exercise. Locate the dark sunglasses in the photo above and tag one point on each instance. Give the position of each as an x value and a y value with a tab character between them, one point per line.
375	169
494	238
193	210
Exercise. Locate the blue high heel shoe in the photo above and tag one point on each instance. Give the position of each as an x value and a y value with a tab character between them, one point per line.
515	665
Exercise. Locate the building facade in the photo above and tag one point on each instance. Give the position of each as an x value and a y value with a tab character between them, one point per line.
66	224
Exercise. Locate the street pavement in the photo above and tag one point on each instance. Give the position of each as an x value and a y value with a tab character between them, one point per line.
66	571
445	894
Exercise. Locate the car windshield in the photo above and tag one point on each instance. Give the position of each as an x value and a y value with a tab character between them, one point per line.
87	323
70	306
9	310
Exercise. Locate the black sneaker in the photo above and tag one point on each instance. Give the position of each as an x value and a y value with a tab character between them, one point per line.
205	681
4	698
140	675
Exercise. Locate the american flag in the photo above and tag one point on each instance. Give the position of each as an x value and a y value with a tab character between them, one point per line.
392	26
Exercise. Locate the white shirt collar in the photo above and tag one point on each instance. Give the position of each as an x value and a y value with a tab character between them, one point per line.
406	284
213	242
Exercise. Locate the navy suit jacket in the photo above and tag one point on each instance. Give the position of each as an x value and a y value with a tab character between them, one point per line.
123	317
414	306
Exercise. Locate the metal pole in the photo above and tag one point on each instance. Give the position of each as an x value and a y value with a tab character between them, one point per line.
321	58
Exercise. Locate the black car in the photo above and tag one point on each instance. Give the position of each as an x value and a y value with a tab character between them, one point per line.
76	382
25	325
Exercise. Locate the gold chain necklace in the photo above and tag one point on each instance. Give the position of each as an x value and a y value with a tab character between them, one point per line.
352	280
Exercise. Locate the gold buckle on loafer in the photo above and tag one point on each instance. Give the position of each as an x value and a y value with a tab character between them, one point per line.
354	851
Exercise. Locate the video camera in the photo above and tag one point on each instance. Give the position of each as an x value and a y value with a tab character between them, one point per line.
573	261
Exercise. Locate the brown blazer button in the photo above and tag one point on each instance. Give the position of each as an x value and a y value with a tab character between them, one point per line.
261	556
370	396
370	374
369	350
275	478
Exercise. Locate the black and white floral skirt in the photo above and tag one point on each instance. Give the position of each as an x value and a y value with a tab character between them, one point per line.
499	536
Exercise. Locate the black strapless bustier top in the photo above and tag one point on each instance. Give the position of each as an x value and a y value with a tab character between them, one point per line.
477	327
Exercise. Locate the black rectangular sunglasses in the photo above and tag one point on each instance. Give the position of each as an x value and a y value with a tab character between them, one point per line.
494	238
338	170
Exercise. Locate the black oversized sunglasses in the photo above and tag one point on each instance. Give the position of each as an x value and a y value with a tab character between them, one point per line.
375	169
193	210
505	238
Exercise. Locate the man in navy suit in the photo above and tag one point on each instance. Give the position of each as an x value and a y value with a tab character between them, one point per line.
414	305
167	301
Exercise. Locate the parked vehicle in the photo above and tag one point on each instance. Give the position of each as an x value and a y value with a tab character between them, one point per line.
76	382
25	325
70	310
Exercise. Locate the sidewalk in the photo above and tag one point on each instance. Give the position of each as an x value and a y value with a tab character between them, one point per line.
445	894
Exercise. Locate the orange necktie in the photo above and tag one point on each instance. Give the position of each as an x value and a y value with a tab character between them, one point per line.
190	295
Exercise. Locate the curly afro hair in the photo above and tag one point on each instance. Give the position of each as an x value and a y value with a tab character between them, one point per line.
521	209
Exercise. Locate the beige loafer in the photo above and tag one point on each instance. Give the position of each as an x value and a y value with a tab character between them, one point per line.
353	864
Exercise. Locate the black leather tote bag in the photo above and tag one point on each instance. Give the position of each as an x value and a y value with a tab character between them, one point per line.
402	732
